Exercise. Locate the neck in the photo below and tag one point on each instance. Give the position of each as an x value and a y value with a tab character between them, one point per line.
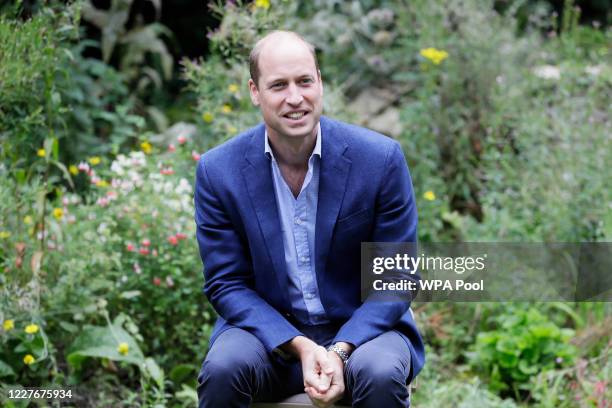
292	151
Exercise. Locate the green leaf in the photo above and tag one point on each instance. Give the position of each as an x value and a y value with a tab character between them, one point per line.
154	371
130	294
6	370
102	342
180	372
55	143
63	169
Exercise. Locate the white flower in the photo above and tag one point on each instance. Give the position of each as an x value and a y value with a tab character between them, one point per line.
138	159
184	187
593	70
83	166
174	205
117	168
547	72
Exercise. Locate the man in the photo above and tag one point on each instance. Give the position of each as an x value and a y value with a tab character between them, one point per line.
281	211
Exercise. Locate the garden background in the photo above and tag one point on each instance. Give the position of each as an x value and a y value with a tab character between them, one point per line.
502	108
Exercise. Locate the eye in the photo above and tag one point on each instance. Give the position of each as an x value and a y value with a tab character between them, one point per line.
307	81
277	85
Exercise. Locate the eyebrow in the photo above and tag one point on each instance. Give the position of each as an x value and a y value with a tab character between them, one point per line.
283	79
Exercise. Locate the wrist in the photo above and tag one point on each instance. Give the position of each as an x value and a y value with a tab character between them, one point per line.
347	347
340	352
299	346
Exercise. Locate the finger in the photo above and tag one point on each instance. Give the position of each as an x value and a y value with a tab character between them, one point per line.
325	365
320	400
321	383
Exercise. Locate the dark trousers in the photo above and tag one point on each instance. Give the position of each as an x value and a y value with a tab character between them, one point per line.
238	371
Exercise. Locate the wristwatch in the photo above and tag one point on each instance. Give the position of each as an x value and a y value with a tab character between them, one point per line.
340	352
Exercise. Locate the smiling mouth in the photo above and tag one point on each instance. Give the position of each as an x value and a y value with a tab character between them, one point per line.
296	115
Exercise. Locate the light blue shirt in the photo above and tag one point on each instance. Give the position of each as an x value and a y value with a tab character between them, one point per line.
298	218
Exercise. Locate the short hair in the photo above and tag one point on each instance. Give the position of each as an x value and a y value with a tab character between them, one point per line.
254	55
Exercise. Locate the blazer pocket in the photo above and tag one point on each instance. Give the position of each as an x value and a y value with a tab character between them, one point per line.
354	220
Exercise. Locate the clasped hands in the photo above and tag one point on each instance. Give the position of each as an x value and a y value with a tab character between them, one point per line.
323	371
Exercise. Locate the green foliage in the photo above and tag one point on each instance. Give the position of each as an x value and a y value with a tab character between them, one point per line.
50	92
142	55
525	343
133	225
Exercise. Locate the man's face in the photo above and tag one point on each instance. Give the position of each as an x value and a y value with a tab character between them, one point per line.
290	91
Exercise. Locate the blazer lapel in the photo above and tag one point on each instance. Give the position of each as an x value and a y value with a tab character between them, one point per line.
258	179
333	178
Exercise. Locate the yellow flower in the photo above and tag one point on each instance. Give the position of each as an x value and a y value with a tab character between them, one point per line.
226	109
8	325
28	359
232	88
58	213
434	55
123	348
4	234
207	117
41	153
102	183
429	195
74	170
31	328
264	4
94	160
27	220
146	147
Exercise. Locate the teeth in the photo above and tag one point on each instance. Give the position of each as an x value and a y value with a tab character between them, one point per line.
295	115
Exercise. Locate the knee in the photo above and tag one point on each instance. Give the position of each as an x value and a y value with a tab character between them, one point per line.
375	373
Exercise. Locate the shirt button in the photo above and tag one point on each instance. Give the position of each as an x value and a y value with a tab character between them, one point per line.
298	221
309	295
303	259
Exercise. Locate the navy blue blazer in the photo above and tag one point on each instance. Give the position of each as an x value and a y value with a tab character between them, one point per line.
365	194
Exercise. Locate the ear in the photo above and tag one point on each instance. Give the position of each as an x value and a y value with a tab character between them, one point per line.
254	92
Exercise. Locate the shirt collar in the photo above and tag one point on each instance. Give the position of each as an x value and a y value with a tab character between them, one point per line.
316	151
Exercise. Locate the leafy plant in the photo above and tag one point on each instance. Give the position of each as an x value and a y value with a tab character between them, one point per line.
524	343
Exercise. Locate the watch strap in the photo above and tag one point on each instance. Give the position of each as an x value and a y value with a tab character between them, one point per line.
340	352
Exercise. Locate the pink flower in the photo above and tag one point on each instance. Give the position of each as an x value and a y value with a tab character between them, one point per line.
173	240
154	253
167	171
171	148
143	251
102	201
146	242
600	387
137	269
169	281
130	247
83	167
181	139
156	281
180	235
195	155
65	201
111	194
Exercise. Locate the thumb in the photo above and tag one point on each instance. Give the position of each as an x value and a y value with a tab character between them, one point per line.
326	367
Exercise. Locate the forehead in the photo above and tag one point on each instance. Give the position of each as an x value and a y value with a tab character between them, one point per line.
285	57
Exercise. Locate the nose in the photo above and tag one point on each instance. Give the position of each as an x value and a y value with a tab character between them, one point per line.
295	96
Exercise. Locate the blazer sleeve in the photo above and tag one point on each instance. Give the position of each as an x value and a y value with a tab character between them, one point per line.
228	271
395	221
